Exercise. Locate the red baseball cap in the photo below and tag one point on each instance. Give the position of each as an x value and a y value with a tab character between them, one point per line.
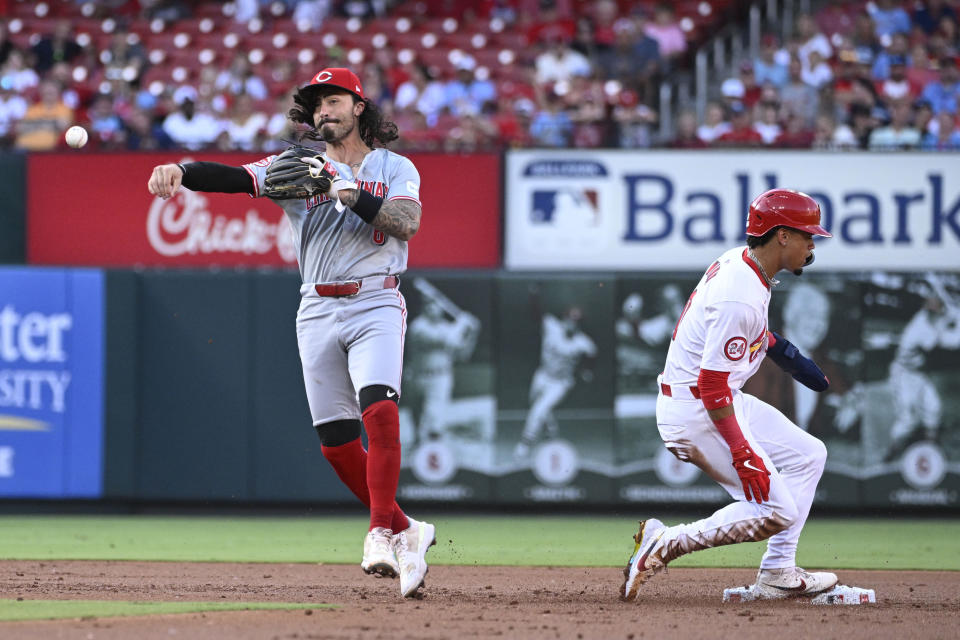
338	77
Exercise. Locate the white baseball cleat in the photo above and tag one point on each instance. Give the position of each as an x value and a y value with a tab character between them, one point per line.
792	582
642	564
378	555
411	546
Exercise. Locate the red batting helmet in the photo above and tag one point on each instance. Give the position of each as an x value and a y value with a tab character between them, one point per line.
784	208
338	77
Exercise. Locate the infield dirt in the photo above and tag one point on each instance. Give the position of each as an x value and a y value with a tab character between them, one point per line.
468	602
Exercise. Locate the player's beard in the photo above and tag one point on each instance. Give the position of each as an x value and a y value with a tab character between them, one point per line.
333	132
806	263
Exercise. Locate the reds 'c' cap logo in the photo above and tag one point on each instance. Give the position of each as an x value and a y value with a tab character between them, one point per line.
339	77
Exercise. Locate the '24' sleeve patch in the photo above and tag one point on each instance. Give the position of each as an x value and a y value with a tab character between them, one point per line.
735	348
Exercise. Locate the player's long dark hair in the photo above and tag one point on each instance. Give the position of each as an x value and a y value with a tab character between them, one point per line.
373	127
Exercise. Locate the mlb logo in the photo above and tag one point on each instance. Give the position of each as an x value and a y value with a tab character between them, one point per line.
571	205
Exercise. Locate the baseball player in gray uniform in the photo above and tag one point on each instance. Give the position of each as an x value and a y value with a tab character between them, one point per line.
351	245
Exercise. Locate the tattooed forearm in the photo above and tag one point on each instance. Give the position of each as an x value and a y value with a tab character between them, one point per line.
399	218
349	197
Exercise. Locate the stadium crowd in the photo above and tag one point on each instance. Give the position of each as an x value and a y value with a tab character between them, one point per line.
547	73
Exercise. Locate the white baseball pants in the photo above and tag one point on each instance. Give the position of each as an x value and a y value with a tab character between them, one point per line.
794	458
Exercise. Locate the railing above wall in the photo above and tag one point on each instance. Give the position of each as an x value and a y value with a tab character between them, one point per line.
716	58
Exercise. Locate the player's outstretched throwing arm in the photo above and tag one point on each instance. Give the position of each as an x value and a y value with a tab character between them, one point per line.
166	179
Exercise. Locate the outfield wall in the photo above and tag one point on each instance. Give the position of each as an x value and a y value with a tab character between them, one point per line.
197	378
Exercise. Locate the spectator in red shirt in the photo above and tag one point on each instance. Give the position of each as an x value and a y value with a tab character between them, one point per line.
686	137
742	134
751	90
921	71
604	16
795	135
553	23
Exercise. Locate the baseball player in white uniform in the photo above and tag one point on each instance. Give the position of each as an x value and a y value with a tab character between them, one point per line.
765	462
443	334
562	346
916	399
351	246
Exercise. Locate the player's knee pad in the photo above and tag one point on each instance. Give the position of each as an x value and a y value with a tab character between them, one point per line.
376	393
338	432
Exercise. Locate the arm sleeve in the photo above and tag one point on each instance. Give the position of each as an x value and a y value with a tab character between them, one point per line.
726	343
404	181
216	177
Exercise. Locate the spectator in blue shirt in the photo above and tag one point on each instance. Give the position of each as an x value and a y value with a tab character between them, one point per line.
943	95
552	127
888	19
466	94
946	137
899	48
766	67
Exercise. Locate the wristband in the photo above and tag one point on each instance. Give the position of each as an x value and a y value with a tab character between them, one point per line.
714	390
367	206
182	168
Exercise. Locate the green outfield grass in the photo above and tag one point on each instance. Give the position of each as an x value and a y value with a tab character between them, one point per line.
11	610
847	543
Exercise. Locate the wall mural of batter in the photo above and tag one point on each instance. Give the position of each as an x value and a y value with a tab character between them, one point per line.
543	389
555	386
448	419
906	406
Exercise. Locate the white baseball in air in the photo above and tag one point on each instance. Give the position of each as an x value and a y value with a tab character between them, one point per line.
76	136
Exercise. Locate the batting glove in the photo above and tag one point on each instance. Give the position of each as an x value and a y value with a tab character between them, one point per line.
753	473
337	183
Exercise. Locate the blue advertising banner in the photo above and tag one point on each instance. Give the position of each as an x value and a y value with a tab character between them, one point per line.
51	383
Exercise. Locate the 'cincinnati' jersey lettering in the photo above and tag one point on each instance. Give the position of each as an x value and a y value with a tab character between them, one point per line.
334	246
377	189
724	325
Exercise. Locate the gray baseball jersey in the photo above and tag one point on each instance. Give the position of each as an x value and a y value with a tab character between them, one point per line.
348	343
334	246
